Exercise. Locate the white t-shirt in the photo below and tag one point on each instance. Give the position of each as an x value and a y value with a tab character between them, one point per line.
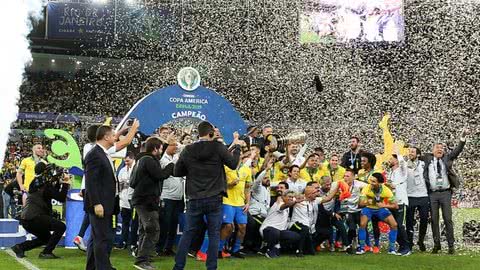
398	178
297	186
276	218
350	205
330	204
89	146
304	213
124	180
172	187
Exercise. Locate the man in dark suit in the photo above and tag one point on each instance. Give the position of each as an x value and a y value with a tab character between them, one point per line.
99	203
441	179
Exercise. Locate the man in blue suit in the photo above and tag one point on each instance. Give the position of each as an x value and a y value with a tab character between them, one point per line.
100	202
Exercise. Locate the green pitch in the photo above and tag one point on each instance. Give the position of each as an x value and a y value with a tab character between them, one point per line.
75	260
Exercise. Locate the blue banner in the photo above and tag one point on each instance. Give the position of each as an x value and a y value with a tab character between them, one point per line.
79	20
95	21
173	104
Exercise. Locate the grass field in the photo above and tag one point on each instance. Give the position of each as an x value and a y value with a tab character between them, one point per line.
75	260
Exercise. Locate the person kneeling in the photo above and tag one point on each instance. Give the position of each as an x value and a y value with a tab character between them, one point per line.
377	199
274	228
36	217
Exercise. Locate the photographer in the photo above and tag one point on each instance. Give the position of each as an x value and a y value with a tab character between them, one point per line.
8	194
36	217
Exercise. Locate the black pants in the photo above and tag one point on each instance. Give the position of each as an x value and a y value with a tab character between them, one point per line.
253	239
85	224
353	222
41	226
134	228
126	214
197	210
322	234
341	231
287	238
421	204
169	213
442	200
149	231
376	230
305	244
198	238
100	242
399	215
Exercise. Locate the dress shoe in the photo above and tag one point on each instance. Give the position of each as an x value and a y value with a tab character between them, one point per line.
18	251
47	256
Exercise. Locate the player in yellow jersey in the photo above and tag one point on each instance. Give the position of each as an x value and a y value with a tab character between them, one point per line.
368	161
322	161
311	170
257	161
26	170
377	200
278	174
235	204
334	170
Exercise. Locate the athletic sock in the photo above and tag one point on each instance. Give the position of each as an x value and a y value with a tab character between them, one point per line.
392	237
236	246
221	244
204	247
362	236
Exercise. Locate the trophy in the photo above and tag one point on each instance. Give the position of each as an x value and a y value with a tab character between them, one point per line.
275	142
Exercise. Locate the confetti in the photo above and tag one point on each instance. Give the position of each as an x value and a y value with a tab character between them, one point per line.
249	52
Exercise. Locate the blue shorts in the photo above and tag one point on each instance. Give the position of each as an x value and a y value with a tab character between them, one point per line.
381	213
234	213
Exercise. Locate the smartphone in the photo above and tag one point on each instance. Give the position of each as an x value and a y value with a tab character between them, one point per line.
130	122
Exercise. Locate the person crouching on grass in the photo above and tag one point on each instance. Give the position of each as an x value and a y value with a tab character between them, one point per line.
377	200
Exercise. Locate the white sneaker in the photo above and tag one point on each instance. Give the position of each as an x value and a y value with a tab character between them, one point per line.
393	252
80	243
360	252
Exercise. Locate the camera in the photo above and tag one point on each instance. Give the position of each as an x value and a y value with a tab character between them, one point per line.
53	173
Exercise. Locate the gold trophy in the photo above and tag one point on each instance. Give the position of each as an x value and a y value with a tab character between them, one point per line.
273	142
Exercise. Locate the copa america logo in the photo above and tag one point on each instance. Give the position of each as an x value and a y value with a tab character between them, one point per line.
188	78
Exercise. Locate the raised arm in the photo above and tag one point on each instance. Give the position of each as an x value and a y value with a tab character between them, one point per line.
230	159
457	150
463	139
331	194
258	181
122	143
